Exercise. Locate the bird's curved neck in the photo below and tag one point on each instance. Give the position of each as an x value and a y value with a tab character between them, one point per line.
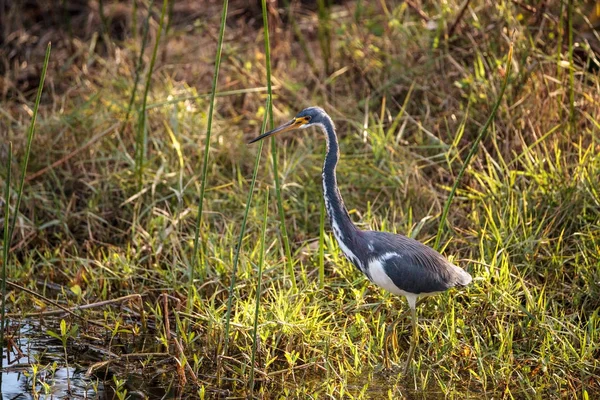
336	210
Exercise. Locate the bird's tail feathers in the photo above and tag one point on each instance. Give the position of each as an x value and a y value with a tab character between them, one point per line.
463	278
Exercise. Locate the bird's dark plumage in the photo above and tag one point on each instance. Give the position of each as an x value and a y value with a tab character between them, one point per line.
413	266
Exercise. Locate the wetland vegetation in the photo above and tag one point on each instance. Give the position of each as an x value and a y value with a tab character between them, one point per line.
156	255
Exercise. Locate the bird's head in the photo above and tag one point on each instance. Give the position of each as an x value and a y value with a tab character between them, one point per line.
310	116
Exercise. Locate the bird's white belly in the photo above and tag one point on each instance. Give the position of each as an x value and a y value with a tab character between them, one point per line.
381	279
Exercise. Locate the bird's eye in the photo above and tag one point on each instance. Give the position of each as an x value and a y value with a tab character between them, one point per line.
308	117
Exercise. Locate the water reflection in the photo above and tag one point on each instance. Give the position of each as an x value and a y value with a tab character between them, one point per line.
32	357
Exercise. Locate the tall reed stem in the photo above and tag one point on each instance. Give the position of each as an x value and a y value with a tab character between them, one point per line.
284	233
8	231
211	110
5	248
261	261
236	257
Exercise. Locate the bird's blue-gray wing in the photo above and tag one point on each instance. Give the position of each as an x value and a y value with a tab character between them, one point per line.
415	267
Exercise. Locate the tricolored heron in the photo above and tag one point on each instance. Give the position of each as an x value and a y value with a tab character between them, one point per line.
394	262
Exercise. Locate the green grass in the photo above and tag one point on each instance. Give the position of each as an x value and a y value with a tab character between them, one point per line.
409	104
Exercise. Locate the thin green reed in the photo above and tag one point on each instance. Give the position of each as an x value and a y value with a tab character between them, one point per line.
142	136
138	66
261	261
236	257
8	231
211	109
322	244
103	21
134	10
322	214
284	233
30	139
6	246
474	148
170	14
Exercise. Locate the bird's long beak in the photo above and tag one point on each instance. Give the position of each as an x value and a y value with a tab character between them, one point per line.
288	126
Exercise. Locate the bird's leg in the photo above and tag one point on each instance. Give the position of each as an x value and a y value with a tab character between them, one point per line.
413	342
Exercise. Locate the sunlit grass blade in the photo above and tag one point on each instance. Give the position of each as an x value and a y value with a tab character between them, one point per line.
142	136
284	233
474	148
261	261
236	256
211	109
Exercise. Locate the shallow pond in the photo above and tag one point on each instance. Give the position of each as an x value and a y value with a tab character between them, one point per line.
34	368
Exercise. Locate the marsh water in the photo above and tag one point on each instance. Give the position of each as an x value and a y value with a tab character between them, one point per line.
34	368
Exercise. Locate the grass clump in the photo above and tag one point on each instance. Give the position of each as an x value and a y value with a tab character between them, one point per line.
409	100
